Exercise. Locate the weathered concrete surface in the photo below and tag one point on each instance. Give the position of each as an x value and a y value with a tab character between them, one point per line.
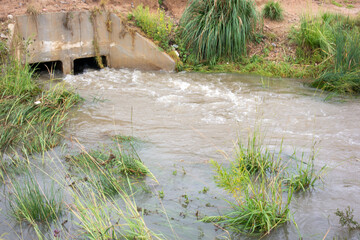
67	36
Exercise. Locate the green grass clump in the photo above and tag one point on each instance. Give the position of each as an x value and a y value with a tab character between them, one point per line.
214	30
260	204
32	119
95	215
157	25
273	10
334	40
344	76
28	202
253	157
117	161
305	176
262	187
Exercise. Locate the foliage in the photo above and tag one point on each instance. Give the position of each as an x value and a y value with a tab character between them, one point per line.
215	30
157	25
345	75
346	218
253	157
28	114
31	203
95	214
117	161
273	11
335	38
260	205
305	175
256	179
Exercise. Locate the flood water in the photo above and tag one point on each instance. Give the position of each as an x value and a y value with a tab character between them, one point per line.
187	119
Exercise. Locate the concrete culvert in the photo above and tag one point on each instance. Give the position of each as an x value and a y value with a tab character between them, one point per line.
82	64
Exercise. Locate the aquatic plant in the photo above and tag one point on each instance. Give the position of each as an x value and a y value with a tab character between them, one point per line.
253	157
29	202
95	215
305	175
346	218
257	180
214	30
273	10
260	204
117	161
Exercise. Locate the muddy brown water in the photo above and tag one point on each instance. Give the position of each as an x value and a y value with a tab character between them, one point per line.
186	119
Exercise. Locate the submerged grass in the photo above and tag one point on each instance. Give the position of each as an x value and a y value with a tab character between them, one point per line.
116	160
305	175
102	219
29	202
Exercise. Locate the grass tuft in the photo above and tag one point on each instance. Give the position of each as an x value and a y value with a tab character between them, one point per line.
117	161
30	203
215	30
257	180
273	10
31	119
334	40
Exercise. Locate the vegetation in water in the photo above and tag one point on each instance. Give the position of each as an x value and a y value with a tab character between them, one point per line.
32	119
214	30
257	179
273	11
115	160
346	218
305	175
29	202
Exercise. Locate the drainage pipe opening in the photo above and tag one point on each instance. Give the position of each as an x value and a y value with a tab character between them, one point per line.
81	64
53	68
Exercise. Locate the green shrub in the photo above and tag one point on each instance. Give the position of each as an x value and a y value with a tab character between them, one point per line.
344	76
337	39
214	30
273	10
157	25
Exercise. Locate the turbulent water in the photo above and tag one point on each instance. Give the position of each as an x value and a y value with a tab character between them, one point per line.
186	119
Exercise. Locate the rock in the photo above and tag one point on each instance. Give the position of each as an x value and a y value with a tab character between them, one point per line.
273	44
10	16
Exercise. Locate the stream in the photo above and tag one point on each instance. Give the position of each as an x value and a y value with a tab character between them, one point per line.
188	119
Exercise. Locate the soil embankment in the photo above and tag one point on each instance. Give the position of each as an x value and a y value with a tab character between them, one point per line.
276	32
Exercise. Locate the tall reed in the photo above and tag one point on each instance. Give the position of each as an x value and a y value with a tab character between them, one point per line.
218	29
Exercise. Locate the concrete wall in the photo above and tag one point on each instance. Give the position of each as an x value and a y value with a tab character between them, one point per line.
67	36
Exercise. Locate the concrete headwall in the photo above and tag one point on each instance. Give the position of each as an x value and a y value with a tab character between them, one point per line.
67	36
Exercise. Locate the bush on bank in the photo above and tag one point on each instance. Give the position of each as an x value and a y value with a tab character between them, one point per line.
215	30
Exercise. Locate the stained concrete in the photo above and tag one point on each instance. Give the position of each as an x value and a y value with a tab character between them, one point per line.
67	36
